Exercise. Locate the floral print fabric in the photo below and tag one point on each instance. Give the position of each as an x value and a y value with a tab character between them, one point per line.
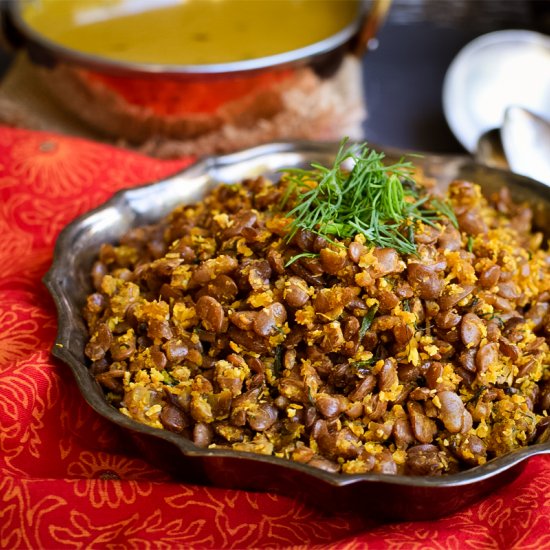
66	478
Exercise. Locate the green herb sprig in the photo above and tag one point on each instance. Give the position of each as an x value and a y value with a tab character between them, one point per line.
379	201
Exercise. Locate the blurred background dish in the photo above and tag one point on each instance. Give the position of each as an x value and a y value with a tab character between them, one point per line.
490	74
526	143
184	37
400	81
201	76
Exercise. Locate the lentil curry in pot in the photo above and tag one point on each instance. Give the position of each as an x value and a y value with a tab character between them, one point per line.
345	318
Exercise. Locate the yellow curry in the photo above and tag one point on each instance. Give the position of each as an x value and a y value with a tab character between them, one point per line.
188	32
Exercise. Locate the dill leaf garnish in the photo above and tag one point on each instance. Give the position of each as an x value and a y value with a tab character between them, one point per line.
381	202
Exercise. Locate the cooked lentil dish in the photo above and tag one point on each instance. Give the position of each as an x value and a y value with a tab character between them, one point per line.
233	323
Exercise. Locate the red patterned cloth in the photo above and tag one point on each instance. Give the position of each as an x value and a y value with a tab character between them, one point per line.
65	478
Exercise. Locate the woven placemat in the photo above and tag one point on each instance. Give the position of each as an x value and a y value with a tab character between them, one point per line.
336	109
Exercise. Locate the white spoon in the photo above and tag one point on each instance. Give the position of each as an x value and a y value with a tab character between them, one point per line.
526	143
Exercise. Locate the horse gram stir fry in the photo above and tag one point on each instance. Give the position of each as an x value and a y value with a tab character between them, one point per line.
345	319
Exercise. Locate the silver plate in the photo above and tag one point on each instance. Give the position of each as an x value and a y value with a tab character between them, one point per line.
490	74
68	280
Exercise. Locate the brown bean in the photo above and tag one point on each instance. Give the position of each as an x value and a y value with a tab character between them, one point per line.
402	334
445	349
428	234
243	319
324	464
123	348
403	290
248	340
385	464
423	427
354	410
452	410
408	372
467	359
490	276
471	222
304	239
333	338
388	261
529	367
296	292
537	313
450	238
493	331
96	302
201	384
508	349
159	358
486	356
223	288
104	336
261	417
293	390
99	270
543	403
355	251
469	448
211	313
387	377
303	454
424	460
434	375
328	405
313	279
351	327
364	387
374	407
470	330
173	419
449	300
259	274
176	351
269	318
380	431
425	280
281	402
187	254
158	329
325	301
508	290
164	267
99	366
348	445
210	269
276	262
514	329
402	433
202	434
239	221
111	379
332	261
387	300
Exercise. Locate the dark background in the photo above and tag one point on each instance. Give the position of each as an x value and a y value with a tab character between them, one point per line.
403	77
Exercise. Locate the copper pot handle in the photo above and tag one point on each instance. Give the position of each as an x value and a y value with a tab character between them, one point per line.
374	19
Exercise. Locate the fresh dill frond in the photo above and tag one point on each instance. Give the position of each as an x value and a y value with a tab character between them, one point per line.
367	321
301	255
381	202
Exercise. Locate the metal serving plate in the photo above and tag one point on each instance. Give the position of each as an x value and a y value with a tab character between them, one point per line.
397	497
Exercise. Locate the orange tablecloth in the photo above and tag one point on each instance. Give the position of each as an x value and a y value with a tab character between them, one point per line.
65	479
